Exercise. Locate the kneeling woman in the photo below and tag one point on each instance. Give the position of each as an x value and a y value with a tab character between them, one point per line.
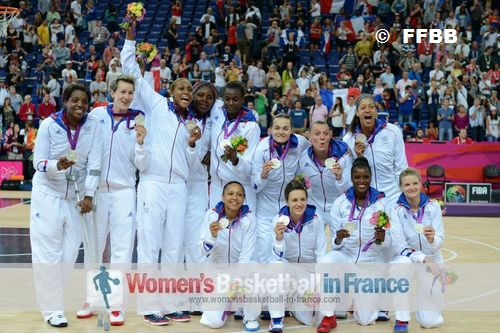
228	237
417	234
356	240
299	238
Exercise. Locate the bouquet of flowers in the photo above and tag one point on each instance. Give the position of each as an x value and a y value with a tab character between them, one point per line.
304	179
135	13
146	50
238	143
380	220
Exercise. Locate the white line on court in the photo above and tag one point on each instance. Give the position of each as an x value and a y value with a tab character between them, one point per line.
453	254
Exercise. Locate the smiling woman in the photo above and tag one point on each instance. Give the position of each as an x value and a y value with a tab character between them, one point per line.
381	143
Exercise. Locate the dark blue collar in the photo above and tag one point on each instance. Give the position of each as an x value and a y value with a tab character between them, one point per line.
379	125
294	141
373	195
60	115
424	200
336	149
245	114
309	214
244	210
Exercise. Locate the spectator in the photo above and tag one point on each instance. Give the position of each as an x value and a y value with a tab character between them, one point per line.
462	138
15	99
299	118
43	35
53	14
91	17
195	74
242	39
69	33
445	117
15	144
177	12
407	103
62	55
99	86
318	111
388	79
337	117
114	71
420	137
56	31
460	119
280	107
477	114
110	52
100	35
258	77
54	86
303	82
68	74
8	113
205	67
26	111
4	92
211	50
492	125
111	18
220	78
45	108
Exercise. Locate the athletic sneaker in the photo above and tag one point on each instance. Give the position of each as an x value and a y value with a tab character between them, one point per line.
383	316
156	319
341	314
116	318
179	316
265	315
251	326
276	325
196	313
328	323
238	315
401	327
58	320
85	312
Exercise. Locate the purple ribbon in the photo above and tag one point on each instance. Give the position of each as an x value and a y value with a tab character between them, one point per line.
420	215
443	282
363	208
227	132
295	227
367	245
73	139
272	150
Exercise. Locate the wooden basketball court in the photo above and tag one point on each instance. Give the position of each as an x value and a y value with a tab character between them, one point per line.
468	240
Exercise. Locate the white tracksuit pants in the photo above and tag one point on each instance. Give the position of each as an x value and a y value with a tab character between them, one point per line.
115	214
161	209
427	319
197	205
214	319
362	317
265	233
55	235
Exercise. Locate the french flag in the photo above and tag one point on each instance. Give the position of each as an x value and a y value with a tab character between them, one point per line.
356	25
153	78
326	42
333	6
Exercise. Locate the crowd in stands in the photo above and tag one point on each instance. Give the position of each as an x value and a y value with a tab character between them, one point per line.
290	55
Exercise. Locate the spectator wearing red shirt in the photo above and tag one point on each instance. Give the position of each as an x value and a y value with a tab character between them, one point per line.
26	111
315	35
46	108
232	41
462	138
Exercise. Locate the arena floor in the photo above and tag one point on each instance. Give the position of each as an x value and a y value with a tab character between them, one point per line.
468	240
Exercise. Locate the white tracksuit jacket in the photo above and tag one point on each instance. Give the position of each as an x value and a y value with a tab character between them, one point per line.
387	158
303	245
271	191
52	144
222	172
406	241
233	244
167	159
325	188
364	231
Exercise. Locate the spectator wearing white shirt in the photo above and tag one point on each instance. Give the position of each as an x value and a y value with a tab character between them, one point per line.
220	80
69	33
403	83
476	120
436	74
3	92
258	76
388	78
113	72
210	16
303	82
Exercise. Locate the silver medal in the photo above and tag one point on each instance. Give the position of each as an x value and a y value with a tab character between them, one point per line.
223	223
71	155
139	120
330	162
284	219
276	163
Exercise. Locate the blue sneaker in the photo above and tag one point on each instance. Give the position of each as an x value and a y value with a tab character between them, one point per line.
401	327
156	319
251	326
276	325
179	316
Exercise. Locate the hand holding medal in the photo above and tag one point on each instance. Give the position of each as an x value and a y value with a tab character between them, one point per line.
360	144
280	226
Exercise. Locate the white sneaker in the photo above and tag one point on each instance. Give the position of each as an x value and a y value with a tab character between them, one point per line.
116	318
85	312
251	326
341	314
58	320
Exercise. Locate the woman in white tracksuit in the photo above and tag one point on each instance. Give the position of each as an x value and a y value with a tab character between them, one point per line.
69	143
204	95
299	237
116	199
228	121
381	143
165	168
274	165
417	236
355	236
327	184
228	237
